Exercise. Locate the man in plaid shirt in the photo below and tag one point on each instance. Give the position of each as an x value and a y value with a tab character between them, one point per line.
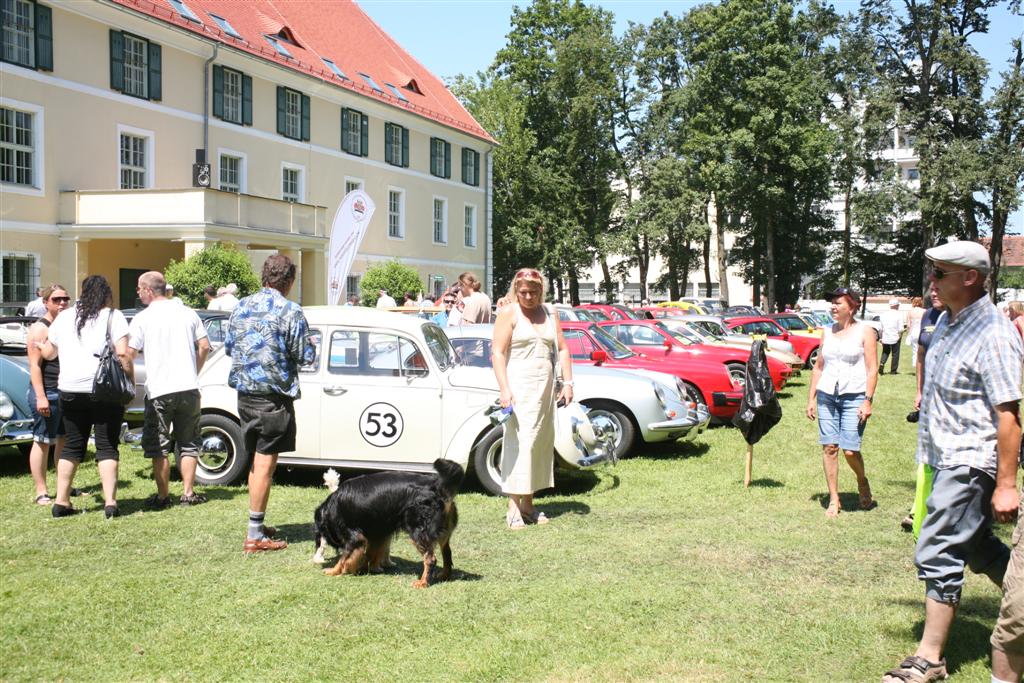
970	434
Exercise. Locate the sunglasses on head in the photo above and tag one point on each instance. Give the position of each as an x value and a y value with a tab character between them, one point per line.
939	274
60	299
528	273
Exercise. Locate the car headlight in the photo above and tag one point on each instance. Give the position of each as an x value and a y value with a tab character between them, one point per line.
6	406
659	391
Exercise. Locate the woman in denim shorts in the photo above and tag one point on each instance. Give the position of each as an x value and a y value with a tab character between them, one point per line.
842	387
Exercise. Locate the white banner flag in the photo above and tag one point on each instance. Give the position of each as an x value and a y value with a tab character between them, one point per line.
350	221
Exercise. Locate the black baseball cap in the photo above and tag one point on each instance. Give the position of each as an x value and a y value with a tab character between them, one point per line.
844	291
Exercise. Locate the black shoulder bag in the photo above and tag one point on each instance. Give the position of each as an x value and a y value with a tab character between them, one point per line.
111	383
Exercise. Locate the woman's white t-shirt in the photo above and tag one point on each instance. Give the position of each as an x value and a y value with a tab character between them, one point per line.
844	371
79	356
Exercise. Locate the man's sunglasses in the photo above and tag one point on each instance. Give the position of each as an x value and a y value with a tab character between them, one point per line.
939	274
60	299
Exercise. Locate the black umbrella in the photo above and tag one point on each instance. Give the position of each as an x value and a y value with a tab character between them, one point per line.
760	410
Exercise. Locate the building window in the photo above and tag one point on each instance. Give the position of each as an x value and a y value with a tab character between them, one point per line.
470	167
436	286
18	278
353	184
440	220
469	226
135	66
396	214
291	183
440	158
352	285
225	26
27	29
292	114
396	144
183	9
354	132
133	161
232	95
17	147
230	173
913	174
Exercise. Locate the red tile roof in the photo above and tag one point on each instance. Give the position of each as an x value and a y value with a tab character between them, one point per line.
1013	249
336	29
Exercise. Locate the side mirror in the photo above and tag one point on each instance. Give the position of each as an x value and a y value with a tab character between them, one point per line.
598	356
785	336
667	344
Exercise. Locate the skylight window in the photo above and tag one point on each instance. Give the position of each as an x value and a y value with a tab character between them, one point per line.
396	93
182	9
281	49
225	26
334	67
372	83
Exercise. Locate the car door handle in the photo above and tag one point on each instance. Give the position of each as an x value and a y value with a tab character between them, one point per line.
334	390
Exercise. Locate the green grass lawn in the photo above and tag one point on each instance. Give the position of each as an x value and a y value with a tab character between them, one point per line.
661	568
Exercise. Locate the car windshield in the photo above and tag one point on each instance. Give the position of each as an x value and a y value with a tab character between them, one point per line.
628	312
792	324
591	314
440	348
613	346
679	330
701	332
711	328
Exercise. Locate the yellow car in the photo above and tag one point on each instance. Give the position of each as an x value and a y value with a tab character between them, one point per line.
685	305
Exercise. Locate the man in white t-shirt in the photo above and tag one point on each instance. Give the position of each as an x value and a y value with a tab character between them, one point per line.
893	323
386	300
175	343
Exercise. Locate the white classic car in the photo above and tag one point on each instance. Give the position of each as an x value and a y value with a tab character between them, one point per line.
385	392
636	406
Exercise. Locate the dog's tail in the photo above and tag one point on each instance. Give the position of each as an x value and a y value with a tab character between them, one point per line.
451	474
332	479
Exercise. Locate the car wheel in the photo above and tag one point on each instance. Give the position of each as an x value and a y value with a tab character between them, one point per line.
614	418
222	457
813	358
738	373
694	394
487	460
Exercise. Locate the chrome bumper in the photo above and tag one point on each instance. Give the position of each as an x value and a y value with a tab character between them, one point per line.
16	431
686	427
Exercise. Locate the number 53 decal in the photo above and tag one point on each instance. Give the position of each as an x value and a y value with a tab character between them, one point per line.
381	424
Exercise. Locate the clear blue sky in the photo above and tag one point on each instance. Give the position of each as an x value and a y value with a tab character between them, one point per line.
452	37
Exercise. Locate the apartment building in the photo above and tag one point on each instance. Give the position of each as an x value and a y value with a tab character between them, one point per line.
105	106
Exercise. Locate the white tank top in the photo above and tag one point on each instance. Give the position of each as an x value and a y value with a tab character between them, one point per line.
844	371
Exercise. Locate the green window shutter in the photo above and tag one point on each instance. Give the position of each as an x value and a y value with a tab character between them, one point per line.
116	61
218	91
364	135
476	168
388	156
344	123
305	117
465	165
44	38
433	157
405	146
281	104
247	100
155	73
447	160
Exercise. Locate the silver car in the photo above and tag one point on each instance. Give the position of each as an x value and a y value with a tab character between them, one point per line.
638	406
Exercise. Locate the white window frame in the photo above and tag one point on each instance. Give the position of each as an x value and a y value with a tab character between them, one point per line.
393	137
235	101
38	153
16	32
352	278
401	213
473	243
33	277
444	220
354	132
150	152
292	117
243	166
354	181
435	286
302	180
129	69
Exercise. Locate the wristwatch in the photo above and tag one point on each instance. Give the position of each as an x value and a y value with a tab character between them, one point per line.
568	383
869	399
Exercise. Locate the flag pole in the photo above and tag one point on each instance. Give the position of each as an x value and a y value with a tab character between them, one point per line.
750	465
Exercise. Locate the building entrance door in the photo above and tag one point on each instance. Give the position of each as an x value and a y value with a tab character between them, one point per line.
128	281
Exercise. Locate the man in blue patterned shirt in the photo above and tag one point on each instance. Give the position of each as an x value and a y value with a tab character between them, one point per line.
970	434
267	339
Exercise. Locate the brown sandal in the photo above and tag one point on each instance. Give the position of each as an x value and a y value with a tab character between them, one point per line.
867	502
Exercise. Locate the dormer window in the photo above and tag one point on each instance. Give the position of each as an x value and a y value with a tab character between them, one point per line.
287	36
413	86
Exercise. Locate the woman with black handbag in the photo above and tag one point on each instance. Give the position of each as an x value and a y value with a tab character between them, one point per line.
95	381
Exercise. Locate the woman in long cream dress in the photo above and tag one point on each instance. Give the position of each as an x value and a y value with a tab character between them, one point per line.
526	336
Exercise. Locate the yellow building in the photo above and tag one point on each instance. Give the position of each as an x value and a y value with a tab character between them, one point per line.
106	104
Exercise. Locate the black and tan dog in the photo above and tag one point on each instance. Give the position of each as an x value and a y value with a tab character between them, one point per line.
360	518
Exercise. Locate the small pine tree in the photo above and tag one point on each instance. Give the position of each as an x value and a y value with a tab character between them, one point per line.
391	276
215	265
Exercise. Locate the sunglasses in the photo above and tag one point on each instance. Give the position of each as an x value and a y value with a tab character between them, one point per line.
528	274
60	299
939	274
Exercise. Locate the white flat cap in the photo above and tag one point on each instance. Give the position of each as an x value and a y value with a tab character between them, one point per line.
894	302
964	253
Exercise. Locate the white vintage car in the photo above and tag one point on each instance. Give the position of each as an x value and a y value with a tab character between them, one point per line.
385	392
636	406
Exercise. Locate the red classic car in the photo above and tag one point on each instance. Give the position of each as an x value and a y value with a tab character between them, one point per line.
805	346
655	312
655	339
705	382
612	311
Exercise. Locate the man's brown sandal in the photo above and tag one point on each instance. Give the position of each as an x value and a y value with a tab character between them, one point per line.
916	669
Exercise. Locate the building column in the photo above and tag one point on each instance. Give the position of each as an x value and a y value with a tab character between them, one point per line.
314	281
74	259
192	247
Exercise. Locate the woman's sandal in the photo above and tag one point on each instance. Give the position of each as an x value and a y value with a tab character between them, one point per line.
867	502
833	509
536	517
514	520
916	669
44	499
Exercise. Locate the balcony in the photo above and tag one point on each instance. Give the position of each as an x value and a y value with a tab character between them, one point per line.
190	214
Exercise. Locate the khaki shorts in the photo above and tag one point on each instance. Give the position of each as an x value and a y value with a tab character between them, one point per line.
1008	634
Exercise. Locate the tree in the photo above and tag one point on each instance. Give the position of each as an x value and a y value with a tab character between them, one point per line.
393	277
215	265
